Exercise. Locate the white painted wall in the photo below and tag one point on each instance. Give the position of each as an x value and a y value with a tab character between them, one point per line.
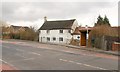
76	37
75	24
55	33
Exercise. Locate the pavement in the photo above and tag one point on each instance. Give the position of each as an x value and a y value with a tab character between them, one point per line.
116	53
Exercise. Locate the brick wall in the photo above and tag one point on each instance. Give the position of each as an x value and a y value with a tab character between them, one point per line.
116	46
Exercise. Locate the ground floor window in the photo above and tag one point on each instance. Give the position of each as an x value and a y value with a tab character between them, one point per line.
60	38
54	39
48	38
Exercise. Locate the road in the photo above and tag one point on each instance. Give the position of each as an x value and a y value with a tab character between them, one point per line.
23	55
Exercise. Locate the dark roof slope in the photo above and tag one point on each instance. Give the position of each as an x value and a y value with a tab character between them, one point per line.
18	27
60	24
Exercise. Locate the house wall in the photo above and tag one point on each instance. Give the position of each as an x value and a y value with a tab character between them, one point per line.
55	33
75	24
76	37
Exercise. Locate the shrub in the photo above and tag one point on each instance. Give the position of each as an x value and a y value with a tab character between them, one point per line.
98	32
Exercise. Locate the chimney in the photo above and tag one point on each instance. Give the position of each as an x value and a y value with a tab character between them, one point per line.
45	19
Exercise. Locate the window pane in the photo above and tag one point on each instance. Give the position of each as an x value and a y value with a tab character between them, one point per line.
48	31
69	31
60	39
39	31
48	39
54	38
61	31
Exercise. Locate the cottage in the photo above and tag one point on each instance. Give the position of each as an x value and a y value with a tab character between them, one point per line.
59	31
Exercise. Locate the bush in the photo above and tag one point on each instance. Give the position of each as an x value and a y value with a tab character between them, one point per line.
97	33
29	34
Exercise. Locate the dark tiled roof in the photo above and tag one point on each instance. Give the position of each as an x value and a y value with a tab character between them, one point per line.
18	27
60	24
26	28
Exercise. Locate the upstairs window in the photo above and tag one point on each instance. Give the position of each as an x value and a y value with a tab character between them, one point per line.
48	31
39	31
61	31
69	31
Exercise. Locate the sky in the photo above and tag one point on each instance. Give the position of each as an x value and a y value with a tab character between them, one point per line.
32	12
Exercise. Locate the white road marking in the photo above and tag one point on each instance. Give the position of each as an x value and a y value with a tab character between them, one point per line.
83	64
8	63
29	59
71	61
34	53
68	51
63	60
19	50
23	59
3	61
79	63
86	64
21	56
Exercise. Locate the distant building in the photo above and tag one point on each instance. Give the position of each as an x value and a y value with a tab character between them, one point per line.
8	32
17	29
58	31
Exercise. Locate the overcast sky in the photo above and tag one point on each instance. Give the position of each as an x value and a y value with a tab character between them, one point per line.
32	12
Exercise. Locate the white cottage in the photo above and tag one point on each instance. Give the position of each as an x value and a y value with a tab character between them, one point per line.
59	31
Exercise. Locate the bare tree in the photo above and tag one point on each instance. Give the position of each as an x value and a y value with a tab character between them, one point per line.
3	29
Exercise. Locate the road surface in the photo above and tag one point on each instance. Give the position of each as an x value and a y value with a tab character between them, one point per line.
25	55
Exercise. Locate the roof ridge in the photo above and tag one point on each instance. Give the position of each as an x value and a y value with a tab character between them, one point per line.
60	20
18	26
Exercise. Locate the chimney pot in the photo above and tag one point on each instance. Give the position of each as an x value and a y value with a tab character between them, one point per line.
45	19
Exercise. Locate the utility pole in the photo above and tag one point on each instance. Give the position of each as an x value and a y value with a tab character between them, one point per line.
86	36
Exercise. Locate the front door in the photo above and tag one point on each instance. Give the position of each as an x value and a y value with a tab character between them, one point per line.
83	39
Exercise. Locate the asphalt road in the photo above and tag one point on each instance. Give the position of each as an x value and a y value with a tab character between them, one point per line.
33	56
